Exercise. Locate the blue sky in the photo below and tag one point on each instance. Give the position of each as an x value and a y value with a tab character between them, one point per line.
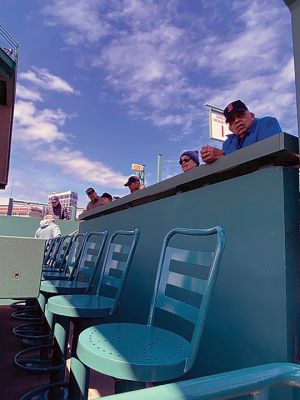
103	84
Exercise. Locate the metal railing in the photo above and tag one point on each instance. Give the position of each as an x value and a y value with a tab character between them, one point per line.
254	381
9	45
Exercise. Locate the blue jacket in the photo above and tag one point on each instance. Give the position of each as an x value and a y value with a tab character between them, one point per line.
261	128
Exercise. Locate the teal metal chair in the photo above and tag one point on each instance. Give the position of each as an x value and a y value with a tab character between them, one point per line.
38	359
84	310
59	256
135	353
71	262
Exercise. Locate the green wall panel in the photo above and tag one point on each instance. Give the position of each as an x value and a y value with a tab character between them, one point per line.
26	227
252	317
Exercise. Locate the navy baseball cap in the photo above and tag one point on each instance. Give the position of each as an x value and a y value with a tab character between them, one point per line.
235	106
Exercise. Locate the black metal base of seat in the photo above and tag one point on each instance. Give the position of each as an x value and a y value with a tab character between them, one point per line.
35	342
30	315
33	331
39	360
54	391
28	304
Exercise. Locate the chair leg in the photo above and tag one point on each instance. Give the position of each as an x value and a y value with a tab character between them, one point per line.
61	332
79	380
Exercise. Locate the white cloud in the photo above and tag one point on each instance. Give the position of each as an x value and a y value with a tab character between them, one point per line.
74	163
28	94
81	16
41	77
31	124
38	131
165	62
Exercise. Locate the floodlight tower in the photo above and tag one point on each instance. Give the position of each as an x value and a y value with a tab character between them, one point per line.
294	7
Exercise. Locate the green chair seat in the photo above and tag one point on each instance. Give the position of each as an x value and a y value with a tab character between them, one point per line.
81	306
47	276
134	352
64	287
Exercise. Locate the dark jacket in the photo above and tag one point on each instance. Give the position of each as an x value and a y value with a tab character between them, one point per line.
59	211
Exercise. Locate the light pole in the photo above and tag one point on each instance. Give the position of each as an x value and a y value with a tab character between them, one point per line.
294	7
159	157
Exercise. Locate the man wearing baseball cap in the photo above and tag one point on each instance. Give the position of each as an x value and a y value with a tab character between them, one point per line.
55	208
134	183
95	199
246	129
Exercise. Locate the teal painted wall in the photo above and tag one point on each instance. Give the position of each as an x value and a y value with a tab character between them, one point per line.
252	317
26	227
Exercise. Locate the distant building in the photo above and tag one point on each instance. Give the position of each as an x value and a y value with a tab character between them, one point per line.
79	211
23	209
68	199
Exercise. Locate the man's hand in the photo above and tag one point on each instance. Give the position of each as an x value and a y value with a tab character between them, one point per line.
210	154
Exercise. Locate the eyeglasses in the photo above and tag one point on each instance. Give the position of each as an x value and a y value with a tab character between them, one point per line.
182	160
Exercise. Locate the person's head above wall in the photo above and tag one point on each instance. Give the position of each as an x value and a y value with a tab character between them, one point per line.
189	159
133	183
49	217
238	117
91	192
55	201
106	197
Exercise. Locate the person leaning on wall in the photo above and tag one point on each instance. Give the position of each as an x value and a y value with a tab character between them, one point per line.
96	200
246	129
57	209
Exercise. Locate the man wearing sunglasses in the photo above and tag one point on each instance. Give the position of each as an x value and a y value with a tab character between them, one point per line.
189	160
246	129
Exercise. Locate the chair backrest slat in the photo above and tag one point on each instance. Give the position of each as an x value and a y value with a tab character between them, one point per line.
204	258
187	282
116	265
111	281
173	306
92	251
89	264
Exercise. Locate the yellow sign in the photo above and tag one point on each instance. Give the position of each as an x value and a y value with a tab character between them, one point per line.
137	167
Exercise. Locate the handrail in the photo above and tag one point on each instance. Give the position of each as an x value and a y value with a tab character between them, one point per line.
10	46
253	380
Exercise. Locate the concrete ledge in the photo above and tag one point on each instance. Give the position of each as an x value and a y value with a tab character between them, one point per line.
281	149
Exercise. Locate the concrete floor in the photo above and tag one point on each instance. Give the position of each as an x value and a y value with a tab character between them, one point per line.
14	383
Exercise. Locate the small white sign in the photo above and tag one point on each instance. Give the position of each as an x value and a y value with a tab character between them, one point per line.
218	129
137	167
